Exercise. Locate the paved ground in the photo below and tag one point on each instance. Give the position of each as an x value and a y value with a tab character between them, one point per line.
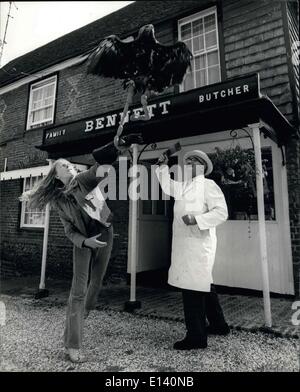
242	312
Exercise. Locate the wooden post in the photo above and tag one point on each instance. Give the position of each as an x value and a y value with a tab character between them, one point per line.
45	246
42	292
133	228
132	303
262	223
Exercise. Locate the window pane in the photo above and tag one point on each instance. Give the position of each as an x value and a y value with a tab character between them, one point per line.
48	101
200	61
213	74
160	207
27	184
147	207
34	181
201	79
210	39
49	91
186	31
188	81
189	44
32	217
37	94
37	116
36	105
48	113
26	218
212	58
38	219
210	22
197	27
198	43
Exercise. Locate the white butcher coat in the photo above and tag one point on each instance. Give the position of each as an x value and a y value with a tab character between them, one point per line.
194	246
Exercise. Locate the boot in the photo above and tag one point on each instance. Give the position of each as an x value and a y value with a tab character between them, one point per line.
223	331
189	343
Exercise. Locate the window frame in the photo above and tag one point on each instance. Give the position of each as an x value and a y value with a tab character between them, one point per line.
24	225
44	83
190	19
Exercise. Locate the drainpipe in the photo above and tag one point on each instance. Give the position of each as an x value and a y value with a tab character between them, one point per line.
262	224
133	303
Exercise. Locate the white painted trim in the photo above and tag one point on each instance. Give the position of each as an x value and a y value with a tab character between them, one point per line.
200	14
23	205
51	80
190	19
23	173
43	73
31	172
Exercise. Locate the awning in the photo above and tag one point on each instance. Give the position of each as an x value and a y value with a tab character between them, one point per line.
233	104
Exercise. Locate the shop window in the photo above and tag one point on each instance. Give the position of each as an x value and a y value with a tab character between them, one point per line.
41	103
234	172
200	34
31	217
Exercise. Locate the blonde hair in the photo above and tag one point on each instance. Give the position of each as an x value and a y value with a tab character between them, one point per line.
49	190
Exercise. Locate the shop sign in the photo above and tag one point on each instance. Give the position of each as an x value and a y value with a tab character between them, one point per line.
201	99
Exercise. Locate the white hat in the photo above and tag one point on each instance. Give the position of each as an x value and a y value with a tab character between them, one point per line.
202	155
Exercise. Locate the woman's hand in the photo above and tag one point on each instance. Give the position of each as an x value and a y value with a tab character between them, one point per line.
189	220
93	243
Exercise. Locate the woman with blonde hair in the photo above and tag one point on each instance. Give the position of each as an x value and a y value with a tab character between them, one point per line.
87	223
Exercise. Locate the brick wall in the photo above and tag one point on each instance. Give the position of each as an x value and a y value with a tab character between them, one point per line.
20	249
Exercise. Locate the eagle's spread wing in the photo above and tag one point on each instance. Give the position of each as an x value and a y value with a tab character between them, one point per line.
170	64
112	58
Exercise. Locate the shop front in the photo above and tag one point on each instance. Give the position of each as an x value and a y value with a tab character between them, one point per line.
221	120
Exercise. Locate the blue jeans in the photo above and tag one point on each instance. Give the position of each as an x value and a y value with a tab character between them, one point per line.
84	292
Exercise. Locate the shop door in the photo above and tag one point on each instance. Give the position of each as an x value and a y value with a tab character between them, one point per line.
154	228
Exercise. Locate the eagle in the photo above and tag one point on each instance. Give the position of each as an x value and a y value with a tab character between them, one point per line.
143	64
151	65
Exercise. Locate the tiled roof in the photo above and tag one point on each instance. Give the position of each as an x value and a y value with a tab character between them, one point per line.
122	22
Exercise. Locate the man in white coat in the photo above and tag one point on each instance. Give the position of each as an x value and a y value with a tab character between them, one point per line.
199	207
